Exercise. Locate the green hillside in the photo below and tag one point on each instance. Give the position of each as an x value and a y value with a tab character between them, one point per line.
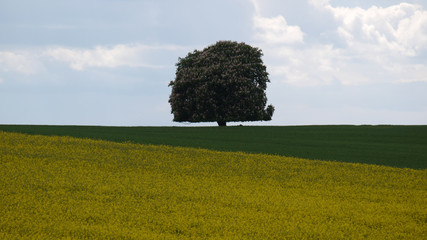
398	146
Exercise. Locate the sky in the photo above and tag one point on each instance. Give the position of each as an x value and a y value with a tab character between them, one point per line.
109	62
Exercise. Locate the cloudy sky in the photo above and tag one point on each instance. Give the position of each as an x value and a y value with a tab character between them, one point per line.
109	62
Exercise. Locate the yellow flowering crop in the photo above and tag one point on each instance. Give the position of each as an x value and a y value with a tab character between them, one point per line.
70	188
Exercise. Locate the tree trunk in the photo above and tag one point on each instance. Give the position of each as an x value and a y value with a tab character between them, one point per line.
222	123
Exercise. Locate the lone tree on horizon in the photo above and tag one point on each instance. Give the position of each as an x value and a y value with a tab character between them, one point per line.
225	82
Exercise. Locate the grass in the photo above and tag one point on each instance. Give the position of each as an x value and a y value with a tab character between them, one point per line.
73	188
397	146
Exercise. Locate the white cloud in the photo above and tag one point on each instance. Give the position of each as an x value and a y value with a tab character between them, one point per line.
319	3
21	62
320	64
256	6
376	44
121	55
276	30
409	72
399	28
310	66
412	31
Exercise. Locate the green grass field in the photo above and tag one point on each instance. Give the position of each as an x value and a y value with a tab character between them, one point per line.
397	146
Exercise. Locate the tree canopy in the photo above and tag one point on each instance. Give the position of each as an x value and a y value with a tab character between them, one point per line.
224	82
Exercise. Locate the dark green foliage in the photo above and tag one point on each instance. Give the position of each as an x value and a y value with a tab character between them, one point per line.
398	146
225	82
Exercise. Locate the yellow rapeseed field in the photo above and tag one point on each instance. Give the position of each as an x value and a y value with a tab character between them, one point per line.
70	188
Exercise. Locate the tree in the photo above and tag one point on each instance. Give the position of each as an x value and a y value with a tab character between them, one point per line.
225	82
